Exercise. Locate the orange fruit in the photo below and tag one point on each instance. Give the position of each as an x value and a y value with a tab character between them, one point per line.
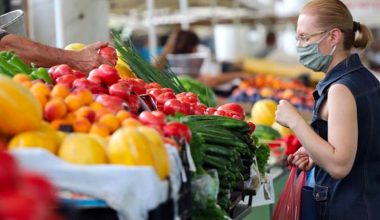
27	84
73	102
96	106
111	121
60	90
99	113
41	89
57	123
131	122
85	95
81	124
42	99
54	109
122	115
21	77
99	129
87	112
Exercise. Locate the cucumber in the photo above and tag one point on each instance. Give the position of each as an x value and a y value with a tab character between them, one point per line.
218	150
219	120
228	142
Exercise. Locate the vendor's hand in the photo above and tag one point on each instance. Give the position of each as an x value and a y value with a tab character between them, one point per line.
286	114
301	159
88	58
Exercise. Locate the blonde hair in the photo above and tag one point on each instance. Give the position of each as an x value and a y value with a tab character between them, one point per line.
335	14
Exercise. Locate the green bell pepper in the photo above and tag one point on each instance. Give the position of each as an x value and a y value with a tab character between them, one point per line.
7	68
41	73
6	54
19	65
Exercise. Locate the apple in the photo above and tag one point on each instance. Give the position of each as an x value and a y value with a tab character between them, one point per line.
198	108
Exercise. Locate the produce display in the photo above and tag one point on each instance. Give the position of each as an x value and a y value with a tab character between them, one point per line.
275	88
111	117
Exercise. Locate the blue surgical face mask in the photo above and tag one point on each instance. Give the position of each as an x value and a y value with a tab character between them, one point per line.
311	57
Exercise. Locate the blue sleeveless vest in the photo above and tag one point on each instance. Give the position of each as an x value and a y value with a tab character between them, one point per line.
357	196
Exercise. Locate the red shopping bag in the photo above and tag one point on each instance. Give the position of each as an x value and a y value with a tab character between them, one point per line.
289	203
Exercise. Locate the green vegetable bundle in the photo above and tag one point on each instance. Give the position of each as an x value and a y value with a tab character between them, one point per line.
145	70
223	144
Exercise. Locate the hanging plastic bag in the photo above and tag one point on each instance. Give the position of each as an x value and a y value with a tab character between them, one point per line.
289	203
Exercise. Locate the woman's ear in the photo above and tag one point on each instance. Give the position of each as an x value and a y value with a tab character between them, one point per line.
336	36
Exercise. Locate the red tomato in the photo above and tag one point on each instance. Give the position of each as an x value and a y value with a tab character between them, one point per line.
152	118
133	103
187	97
210	111
161	99
120	89
93	87
154	91
41	187
109	53
66	80
186	109
198	108
21	204
136	85
60	70
113	103
252	127
94	76
79	74
152	85
177	129
220	113
108	74
164	90
172	106
9	172
232	107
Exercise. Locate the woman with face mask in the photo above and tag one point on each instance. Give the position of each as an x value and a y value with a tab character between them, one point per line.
343	141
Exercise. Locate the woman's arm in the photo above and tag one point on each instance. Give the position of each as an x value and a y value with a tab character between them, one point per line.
338	154
46	56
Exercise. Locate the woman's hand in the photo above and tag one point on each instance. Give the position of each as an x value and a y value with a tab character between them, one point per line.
286	114
301	159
